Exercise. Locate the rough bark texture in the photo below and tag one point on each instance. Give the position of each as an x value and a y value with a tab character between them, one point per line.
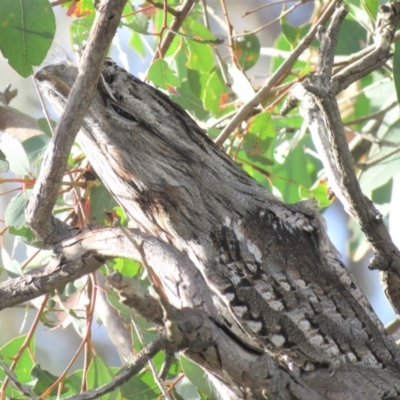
292	322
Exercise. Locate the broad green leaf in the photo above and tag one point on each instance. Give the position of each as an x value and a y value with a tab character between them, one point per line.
187	98
15	154
27	236
200	56
351	35
4	165
138	387
35	147
44	379
296	171
26	32
247	51
73	382
137	44
101	202
258	144
44	126
138	22
396	68
379	174
126	267
293	34
79	8
162	76
319	192
15	211
282	43
215	97
197	376
13	267
25	362
98	375
79	29
371	8
125	311
194	30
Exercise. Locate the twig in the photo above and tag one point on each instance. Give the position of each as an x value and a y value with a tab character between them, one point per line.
376	115
130	369
11	376
230	33
366	165
283	14
150	362
183	11
275	78
24	346
162	6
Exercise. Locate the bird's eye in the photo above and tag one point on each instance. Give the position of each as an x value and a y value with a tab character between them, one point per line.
123	113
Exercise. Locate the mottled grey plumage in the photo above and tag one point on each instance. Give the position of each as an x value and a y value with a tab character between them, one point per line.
275	279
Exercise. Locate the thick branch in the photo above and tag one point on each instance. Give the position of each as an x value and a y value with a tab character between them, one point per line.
45	193
321	113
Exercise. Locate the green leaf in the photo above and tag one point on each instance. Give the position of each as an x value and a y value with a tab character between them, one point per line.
138	22
351	35
35	147
259	139
137	44
396	68
13	267
247	50
293	34
319	192
4	165
27	236
79	29
141	387
197	376
15	212
25	362
215	95
101	202
15	154
44	380
125	311
73	382
26	32
371	8
44	126
194	30
379	174
99	374
162	76
200	57
126	267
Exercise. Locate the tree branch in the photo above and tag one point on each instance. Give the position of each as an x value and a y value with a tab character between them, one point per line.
321	113
130	369
39	210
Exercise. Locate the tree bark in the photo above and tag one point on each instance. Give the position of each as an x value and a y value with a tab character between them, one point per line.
266	306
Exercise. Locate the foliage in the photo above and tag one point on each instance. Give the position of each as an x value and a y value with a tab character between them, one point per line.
210	76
